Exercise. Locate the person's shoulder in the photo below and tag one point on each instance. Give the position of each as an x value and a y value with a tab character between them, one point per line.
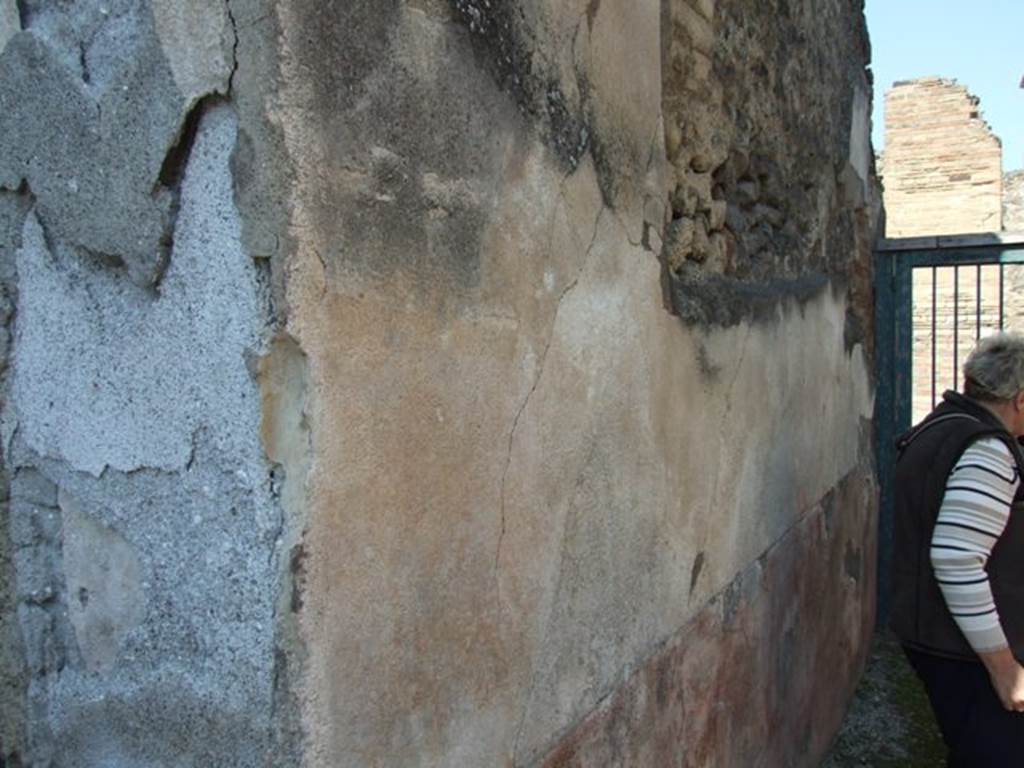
991	445
991	450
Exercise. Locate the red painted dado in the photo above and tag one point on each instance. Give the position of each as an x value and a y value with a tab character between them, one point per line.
763	674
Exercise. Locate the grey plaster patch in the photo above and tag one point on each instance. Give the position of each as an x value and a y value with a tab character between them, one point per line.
69	29
104	583
14	674
36	518
152	435
192	683
105	375
14	207
261	167
197	38
90	108
101	55
47	637
10	22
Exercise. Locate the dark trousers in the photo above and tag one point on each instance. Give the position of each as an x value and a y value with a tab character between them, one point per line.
977	730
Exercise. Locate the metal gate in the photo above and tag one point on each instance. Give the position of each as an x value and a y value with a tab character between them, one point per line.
934	297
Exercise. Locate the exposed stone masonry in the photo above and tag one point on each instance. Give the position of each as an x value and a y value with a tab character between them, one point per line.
756	159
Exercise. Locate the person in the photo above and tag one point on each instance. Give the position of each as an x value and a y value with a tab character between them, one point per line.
957	600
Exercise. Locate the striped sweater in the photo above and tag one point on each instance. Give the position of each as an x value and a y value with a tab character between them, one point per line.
975	510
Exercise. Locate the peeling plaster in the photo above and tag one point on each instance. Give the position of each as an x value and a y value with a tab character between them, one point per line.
258	493
142	410
92	103
104	374
198	39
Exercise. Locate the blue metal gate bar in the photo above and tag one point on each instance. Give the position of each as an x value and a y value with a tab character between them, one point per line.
935	312
895	261
977	305
956	329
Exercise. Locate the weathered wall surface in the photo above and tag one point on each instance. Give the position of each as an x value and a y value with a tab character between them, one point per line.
529	477
755	636
143	516
1013	201
942	164
434	383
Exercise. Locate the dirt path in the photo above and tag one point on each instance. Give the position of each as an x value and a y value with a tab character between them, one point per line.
889	724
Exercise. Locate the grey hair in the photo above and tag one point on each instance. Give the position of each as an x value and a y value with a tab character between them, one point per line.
995	369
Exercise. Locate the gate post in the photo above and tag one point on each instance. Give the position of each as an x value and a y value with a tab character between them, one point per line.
885	327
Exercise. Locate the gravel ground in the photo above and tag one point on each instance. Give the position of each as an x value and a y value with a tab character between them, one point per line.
889	724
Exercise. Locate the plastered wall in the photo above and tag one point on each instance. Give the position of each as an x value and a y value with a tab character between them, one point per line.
434	383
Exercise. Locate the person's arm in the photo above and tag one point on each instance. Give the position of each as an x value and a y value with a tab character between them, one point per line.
974	513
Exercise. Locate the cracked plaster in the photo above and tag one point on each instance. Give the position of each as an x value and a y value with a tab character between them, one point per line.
93	101
106	375
142	410
544	423
486	441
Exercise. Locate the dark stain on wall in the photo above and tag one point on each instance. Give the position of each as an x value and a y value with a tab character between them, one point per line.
698	566
412	158
297	567
717	300
505	45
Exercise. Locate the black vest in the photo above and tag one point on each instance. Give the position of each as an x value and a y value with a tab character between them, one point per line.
927	454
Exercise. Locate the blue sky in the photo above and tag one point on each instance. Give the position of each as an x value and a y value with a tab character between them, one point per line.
978	43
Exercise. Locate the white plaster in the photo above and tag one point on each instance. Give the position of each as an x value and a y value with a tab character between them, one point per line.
860	134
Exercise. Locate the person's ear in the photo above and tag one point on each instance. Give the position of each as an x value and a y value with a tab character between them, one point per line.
1018	400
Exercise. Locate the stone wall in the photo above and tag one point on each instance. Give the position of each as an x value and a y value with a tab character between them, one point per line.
1013	201
434	383
942	163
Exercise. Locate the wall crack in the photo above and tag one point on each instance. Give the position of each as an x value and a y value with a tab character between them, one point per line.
234	47
526	401
172	173
569	520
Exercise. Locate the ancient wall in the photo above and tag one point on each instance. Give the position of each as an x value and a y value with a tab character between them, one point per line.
434	383
942	163
1013	201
